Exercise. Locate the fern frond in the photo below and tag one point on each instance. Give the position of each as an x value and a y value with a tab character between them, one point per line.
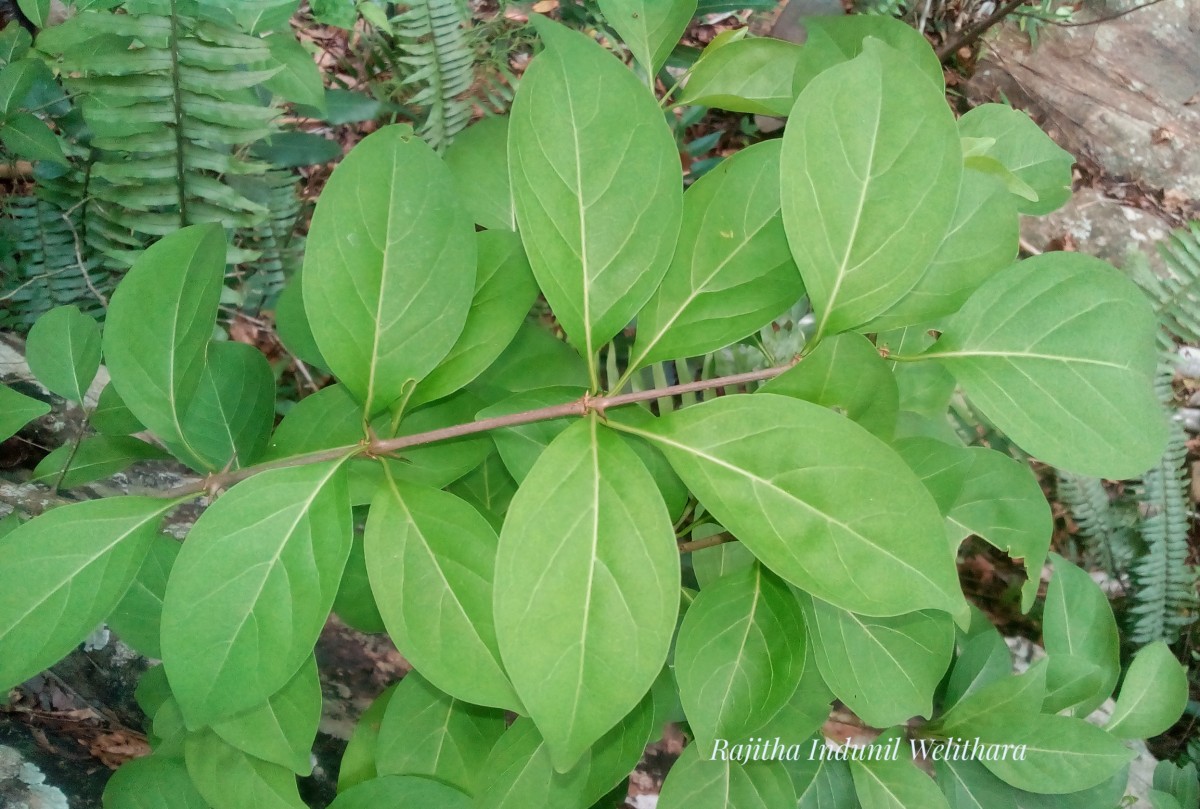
432	38
280	249
1104	532
1176	295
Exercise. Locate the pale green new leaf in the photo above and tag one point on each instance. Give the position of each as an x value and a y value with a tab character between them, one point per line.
1153	695
137	618
732	272
401	792
158	327
281	730
228	422
230	779
1062	755
895	784
152	782
776	472
478	159
587	578
299	78
252	588
63	350
870	176
430	558
1058	351
698	782
883	669
598	197
427	732
1079	621
1024	149
389	267
752	75
63	573
504	292
845	373
650	28
17	410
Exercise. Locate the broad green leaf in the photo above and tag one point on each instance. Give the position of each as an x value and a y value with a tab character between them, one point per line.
401	792
752	75
281	730
1025	150
38	11
968	785
158	326
1162	800
651	28
291	322
895	783
358	762
1070	681
845	373
293	149
520	446
489	488
504	292
981	241
732	272
597	196
444	462
614	757
230	779
427	732
1153	695
111	416
848	34
518	774
883	669
17	410
831	788
534	359
775	471
988	494
805	712
64	572
1061	755
63	351
984	659
700	781
153	782
152	690
710	564
739	655
1058	351
10	523
252	588
15	83
137	618
14	43
478	159
392	254
870	150
430	558
328	418
228	422
27	136
586	575
675	493
996	709
299	78
1179	781
1079	621
355	603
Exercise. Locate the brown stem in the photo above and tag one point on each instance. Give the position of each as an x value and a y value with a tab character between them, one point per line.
968	35
708	542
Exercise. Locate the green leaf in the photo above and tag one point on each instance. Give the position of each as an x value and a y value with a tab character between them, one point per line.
293	149
806	711
845	373
137	618
988	494
328	418
392	252
996	709
111	416
984	659
848	34
355	603
427	732
17	410
1178	781
710	564
982	240
64	572
739	655
522	445
771	469
153	782
504	292
63	350
345	107
1025	150
358	762
586	575
518	774
291	322
831	788
534	359
27	136
895	783
401	792
1153	695
870	149
230	779
430	558
1079	621
1162	800
488	488
16	80
618	752
37	11
587	186
1071	680
281	730
14	43
299	80
441	464
698	781
478	159
651	28
752	75
158	326
252	588
1058	351
732	271
1062	755
228	422
884	669
968	785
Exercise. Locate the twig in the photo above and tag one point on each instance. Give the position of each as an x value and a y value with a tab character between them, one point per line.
1097	21
708	542
968	35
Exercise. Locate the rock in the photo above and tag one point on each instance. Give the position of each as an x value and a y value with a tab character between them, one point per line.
1100	226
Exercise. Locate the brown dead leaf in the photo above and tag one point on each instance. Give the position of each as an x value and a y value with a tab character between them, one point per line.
114	749
1164	134
545	6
